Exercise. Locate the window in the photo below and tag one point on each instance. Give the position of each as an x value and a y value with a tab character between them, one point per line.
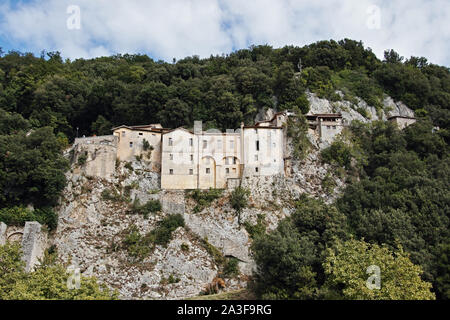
191	142
234	170
141	134
170	142
227	160
328	127
191	172
334	127
131	144
231	144
205	144
274	144
234	160
208	170
256	157
171	156
192	157
257	169
170	171
123	133
257	145
227	171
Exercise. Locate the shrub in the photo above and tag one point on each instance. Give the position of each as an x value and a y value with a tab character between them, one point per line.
239	200
231	268
258	229
338	153
17	216
162	234
328	184
129	166
137	246
297	129
204	198
112	195
218	257
151	206
145	145
82	159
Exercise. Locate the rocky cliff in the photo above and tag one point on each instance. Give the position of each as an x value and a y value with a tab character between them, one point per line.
92	227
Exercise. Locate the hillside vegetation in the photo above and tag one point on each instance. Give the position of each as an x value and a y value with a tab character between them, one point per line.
396	203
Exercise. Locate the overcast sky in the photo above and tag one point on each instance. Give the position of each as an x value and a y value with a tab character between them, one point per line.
166	29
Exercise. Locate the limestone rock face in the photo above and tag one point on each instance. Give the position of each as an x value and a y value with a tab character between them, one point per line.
351	111
91	228
396	108
91	231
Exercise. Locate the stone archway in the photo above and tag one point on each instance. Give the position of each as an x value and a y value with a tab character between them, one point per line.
15	236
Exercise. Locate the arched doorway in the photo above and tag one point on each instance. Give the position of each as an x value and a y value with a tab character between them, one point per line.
15	237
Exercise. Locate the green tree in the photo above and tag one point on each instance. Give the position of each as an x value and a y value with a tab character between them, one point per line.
47	282
443	272
101	126
239	200
284	261
347	263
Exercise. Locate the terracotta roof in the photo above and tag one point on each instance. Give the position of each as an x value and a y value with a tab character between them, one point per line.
328	115
141	128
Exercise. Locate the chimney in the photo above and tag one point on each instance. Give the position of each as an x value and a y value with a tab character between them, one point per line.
198	127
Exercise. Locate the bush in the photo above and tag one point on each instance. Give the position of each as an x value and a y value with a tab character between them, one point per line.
111	195
129	166
82	159
218	257
258	229
162	234
239	200
231	268
17	216
328	184
137	246
152	206
47	282
297	129
204	198
338	153
145	145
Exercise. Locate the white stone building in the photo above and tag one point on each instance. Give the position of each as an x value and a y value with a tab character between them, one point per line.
402	121
212	159
325	126
197	159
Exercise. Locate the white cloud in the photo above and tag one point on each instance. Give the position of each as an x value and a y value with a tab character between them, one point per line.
178	28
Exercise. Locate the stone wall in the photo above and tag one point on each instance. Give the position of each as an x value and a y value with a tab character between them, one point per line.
33	244
2	233
173	202
100	153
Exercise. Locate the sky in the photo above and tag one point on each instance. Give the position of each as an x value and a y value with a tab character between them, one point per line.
167	29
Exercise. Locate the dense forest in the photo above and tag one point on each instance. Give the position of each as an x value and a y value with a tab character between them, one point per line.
396	198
